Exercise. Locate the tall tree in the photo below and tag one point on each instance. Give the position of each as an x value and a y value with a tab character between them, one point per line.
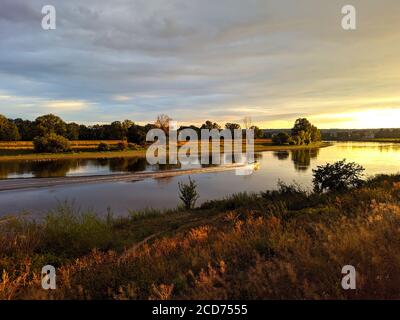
232	126
210	125
72	131
162	122
8	130
258	133
50	123
301	124
304	132
26	129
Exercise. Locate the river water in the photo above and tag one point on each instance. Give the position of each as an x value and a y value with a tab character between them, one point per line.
288	166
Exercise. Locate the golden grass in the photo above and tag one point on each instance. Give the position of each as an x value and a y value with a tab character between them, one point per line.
275	245
28	145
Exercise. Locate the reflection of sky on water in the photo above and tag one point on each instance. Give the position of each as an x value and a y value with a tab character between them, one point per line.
290	166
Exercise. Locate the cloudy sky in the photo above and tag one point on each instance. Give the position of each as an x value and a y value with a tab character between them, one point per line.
273	60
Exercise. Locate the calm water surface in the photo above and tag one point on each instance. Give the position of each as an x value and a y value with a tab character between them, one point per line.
287	166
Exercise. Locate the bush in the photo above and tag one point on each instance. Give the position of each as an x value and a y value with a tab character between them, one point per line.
188	193
133	146
51	143
123	145
338	176
103	146
281	138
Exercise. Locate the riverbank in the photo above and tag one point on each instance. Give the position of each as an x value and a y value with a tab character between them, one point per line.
24	154
284	244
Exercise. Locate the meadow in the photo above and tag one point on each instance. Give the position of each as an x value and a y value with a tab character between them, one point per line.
283	244
88	149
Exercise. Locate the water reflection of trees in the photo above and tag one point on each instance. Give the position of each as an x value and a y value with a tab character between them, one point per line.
38	169
281	155
127	164
60	168
301	158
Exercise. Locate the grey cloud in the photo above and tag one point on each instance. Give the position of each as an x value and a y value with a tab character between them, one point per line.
191	58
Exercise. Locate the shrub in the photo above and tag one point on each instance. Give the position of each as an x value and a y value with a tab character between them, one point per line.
281	138
103	146
51	143
188	193
123	145
133	146
338	176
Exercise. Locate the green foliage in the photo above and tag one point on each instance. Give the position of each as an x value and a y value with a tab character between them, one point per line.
304	132
50	124
123	145
72	132
258	133
281	138
232	126
188	193
210	125
137	134
51	143
133	146
71	232
8	130
338	176
103	146
232	202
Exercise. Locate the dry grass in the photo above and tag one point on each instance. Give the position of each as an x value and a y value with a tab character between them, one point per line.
286	244
81	144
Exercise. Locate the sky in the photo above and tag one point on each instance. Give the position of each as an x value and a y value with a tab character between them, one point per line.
197	60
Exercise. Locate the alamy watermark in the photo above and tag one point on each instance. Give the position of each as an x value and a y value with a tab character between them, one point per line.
49	18
349	279
194	152
349	20
49	277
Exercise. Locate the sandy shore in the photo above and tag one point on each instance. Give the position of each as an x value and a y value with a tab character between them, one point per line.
28	183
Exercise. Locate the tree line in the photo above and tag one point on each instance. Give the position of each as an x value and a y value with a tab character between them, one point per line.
50	124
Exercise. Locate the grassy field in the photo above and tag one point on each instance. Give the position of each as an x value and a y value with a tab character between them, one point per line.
75	145
23	150
285	244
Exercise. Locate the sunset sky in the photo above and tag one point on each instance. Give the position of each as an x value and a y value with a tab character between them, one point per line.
222	60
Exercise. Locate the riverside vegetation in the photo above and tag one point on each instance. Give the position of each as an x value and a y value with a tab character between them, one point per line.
49	136
282	244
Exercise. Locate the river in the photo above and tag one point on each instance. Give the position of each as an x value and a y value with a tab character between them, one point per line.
288	166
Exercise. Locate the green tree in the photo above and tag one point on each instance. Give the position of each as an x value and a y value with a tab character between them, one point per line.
303	132
50	124
8	130
210	125
116	131
301	124
258	133
338	176
72	131
281	138
315	134
232	126
26	129
51	143
137	134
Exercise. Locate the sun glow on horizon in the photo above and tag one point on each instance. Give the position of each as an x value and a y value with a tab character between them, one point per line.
368	119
